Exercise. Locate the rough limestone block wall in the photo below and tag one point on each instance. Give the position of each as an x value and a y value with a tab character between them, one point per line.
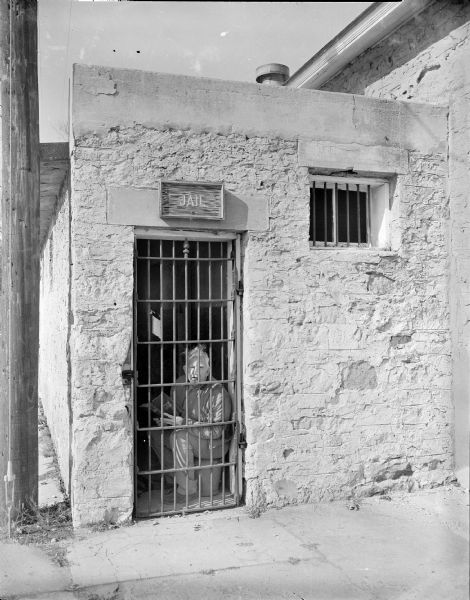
101	334
53	335
428	60
346	353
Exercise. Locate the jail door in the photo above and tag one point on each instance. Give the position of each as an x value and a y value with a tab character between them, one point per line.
186	386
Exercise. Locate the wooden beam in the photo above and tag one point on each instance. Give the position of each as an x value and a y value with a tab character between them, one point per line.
19	299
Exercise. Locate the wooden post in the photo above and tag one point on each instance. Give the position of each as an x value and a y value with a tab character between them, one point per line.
19	298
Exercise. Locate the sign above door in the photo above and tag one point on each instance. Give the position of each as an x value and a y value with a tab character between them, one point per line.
196	200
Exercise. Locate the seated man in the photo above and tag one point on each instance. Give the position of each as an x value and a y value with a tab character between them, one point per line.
196	404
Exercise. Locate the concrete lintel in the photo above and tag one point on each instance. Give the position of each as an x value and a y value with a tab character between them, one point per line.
105	98
373	159
140	207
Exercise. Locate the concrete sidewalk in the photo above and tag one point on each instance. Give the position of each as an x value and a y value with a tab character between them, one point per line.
414	546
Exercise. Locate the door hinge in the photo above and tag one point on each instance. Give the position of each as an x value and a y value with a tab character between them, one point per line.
239	288
242	443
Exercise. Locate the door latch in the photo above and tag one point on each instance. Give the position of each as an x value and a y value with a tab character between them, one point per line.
242	443
127	375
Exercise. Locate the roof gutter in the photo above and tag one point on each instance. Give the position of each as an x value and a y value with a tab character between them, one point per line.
370	27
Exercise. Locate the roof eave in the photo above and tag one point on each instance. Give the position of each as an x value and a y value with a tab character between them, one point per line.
371	26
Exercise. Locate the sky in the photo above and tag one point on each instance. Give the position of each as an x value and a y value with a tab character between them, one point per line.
222	40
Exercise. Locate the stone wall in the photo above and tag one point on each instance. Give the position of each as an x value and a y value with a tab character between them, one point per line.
101	333
54	354
428	60
346	352
347	384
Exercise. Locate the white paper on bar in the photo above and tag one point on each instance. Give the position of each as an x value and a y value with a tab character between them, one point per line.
156	327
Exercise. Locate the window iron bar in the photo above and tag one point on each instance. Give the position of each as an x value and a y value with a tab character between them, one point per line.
358	200
335	215
313	216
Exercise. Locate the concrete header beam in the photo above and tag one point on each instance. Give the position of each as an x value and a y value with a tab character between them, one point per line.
104	98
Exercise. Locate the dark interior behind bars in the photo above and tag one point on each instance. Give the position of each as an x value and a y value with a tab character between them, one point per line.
183	297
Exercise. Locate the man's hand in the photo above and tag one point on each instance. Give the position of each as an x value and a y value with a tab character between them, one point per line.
168	419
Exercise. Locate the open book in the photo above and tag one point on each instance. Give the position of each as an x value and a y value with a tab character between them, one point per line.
162	401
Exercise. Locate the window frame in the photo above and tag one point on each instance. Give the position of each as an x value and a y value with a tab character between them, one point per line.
378	211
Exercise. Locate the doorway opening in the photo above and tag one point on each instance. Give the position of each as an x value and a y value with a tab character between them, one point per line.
186	384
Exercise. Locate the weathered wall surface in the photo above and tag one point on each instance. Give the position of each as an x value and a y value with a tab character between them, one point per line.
428	60
101	302
53	335
346	353
422	49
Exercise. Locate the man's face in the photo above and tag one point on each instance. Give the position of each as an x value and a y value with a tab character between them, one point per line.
197	369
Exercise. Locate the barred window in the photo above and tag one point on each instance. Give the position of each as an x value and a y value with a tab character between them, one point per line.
348	212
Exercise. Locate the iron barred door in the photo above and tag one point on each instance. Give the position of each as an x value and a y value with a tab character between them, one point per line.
186	391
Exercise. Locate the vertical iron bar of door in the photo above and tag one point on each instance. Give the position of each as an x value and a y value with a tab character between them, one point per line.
232	365
325	214
347	213
227	295
135	379
223	346
210	357
186	391
198	292
358	198
225	353
161	346
238	373
209	295
148	313
369	241
198	337
222	297
175	347
335	214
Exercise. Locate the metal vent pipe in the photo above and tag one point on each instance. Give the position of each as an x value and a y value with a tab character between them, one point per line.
272	74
